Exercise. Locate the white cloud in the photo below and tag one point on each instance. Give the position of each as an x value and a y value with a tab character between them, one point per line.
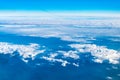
26	51
31	50
100	53
65	25
76	18
76	64
51	59
53	55
64	54
69	54
64	32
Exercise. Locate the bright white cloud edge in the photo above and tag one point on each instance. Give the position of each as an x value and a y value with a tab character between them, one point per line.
101	53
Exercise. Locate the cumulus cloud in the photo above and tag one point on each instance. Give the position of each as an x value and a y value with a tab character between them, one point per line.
100	53
65	54
26	51
63	59
69	54
51	59
32	50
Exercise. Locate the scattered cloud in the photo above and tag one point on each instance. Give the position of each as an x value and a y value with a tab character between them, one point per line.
26	51
76	64
51	59
100	53
69	54
65	54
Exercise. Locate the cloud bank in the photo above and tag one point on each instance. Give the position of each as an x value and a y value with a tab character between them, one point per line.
99	53
25	51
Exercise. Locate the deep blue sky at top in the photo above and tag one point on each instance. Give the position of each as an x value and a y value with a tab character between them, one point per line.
61	5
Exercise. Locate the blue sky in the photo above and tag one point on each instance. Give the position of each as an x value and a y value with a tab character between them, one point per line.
61	5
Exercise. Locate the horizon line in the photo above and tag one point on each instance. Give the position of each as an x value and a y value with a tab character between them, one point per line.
59	13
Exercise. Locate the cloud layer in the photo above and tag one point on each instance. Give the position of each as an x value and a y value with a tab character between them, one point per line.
25	51
67	26
99	53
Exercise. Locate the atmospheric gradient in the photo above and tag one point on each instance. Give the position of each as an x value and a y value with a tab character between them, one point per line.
60	40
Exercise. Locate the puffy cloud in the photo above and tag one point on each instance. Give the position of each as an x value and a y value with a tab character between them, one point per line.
51	59
26	51
65	54
100	53
31	50
69	54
